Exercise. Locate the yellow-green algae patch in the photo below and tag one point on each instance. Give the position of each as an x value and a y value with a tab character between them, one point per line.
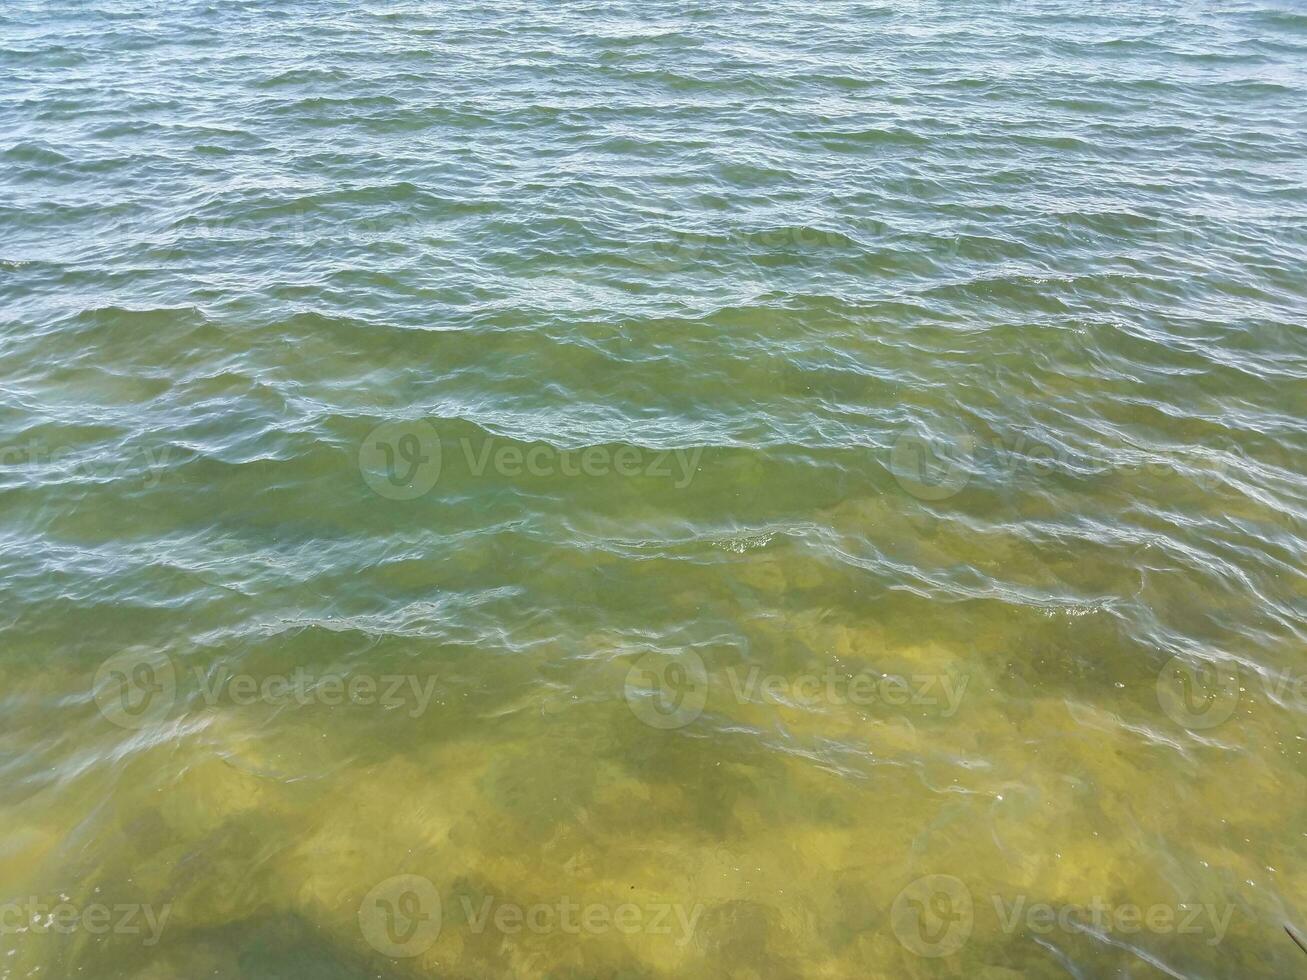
782	831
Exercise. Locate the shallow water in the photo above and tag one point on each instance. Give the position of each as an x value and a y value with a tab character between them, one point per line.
653	490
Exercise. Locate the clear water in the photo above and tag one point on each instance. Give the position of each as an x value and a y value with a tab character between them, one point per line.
818	487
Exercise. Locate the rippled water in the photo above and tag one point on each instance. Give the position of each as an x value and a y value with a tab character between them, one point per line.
653	490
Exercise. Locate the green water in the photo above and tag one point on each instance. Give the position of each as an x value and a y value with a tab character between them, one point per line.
613	490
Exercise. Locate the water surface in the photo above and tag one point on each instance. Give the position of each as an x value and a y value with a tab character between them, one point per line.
828	477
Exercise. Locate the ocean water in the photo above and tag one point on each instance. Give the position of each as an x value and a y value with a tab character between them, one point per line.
653	490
